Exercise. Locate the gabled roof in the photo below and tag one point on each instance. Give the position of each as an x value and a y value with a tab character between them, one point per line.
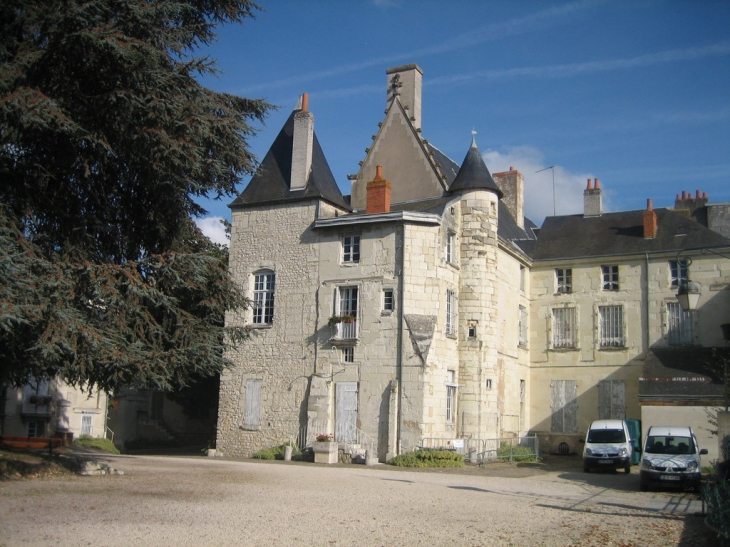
576	236
683	374
473	174
272	180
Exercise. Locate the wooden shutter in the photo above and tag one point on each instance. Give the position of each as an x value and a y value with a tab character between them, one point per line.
252	410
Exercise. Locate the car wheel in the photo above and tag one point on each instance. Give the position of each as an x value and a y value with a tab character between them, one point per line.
627	469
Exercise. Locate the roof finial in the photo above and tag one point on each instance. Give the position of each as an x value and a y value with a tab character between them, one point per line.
473	138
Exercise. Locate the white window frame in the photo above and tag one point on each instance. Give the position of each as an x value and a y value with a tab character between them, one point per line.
611	331
87	424
610	277
264	286
680	325
522	326
678	273
351	249
347	300
451	386
451	315
564	280
450	247
388	300
564	328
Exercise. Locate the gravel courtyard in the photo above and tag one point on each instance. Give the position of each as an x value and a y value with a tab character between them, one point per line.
196	501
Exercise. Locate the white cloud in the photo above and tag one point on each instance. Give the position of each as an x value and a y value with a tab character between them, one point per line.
569	186
214	229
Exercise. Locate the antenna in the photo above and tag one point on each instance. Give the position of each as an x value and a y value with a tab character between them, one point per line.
552	167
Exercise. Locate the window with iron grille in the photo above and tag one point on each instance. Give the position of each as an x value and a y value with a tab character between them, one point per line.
610	278
450	313
263	298
678	273
680	325
348	355
564	328
351	249
564	280
450	396
522	326
611	326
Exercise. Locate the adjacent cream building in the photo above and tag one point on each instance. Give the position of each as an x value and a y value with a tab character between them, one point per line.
425	307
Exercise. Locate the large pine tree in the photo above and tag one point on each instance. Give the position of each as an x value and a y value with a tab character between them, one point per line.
106	140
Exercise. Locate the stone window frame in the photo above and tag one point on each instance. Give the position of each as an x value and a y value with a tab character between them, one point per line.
451	322
678	273
348	354
450	247
263	290
686	325
610	275
522	324
563	280
388	304
574	311
611	335
351	246
451	386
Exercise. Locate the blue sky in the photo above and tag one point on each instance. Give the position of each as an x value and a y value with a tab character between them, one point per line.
636	93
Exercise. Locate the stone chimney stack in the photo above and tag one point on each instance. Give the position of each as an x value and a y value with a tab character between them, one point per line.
378	193
650	224
512	184
303	141
592	200
405	82
686	204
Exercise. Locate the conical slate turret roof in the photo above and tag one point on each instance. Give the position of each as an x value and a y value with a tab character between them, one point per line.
272	181
473	174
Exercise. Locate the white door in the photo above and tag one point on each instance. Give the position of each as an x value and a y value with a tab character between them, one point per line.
345	412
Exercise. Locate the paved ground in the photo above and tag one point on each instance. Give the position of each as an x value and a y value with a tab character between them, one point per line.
195	501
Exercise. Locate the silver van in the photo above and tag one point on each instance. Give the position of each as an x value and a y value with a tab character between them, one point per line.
607	446
671	457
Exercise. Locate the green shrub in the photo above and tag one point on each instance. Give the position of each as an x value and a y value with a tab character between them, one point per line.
93	442
517	453
716	492
429	458
276	453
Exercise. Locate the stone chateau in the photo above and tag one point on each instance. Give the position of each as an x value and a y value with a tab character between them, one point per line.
425	308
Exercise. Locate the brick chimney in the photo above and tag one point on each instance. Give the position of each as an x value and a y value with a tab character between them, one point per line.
512	184
687	205
378	197
405	82
302	143
592	200
650	227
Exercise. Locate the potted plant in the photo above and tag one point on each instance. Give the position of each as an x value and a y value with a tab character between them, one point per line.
340	319
325	448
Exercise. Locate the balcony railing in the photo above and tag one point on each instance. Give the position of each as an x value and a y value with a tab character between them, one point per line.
345	331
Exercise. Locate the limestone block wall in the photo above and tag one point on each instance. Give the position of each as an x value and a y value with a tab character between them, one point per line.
283	355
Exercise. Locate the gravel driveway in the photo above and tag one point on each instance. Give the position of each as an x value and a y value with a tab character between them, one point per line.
196	501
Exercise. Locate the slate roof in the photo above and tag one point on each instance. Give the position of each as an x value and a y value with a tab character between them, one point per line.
576	236
272	180
681	374
473	174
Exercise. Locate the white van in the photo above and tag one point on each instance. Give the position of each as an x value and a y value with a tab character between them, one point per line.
607	446
671	457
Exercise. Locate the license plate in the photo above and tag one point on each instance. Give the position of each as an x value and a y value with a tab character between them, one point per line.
605	461
669	477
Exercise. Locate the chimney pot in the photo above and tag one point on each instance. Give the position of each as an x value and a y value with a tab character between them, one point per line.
378	171
305	102
378	193
511	168
598	184
704	195
698	194
650	221
589	186
649	204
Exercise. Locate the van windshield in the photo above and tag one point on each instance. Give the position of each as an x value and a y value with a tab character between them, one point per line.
606	436
669	445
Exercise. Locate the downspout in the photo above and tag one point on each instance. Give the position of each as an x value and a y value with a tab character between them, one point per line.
646	308
399	355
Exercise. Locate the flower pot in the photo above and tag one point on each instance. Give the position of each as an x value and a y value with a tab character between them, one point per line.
325	452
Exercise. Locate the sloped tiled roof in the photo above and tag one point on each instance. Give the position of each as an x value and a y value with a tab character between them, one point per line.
272	180
673	374
576	236
473	174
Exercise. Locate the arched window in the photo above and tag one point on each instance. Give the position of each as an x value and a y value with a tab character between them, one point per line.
263	297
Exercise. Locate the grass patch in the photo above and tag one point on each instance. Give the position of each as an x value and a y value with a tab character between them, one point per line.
20	464
518	453
93	442
277	453
429	458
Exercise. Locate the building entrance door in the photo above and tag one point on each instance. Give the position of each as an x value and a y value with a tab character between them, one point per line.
346	412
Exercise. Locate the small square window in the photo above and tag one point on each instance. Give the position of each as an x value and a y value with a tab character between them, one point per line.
348	355
388	300
610	278
564	279
489	384
351	249
472	329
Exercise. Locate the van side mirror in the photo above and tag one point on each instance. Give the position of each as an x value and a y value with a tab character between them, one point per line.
703	451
